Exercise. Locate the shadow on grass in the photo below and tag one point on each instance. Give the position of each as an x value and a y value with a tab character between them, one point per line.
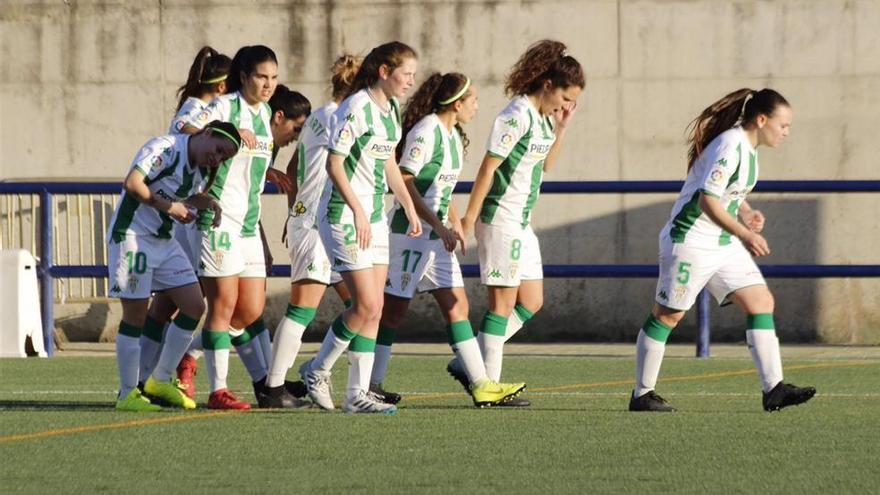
51	405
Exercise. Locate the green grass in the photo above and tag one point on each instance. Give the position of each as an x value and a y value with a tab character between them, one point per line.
572	440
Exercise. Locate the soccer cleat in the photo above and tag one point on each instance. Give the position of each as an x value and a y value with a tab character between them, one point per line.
489	393
649	401
786	394
297	389
225	399
384	395
367	403
318	386
186	373
172	392
515	402
135	402
279	398
454	370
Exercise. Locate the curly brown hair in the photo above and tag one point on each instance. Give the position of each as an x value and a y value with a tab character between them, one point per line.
544	61
438	87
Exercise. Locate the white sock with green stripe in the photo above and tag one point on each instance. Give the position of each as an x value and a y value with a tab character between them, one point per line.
217	345
151	346
518	318
361	353
491	339
196	349
764	347
650	347
250	352
178	337
334	344
467	351
128	351
383	354
288	339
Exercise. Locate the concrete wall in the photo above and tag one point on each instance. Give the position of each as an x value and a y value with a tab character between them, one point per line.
84	83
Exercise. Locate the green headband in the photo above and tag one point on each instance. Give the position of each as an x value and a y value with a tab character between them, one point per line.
467	84
231	138
215	80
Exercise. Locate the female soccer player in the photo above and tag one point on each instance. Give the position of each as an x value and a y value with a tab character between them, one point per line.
364	132
525	141
310	271
232	263
206	81
431	162
704	245
143	256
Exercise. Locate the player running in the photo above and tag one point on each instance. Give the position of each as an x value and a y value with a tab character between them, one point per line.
524	144
431	162
364	132
161	188
310	271
710	239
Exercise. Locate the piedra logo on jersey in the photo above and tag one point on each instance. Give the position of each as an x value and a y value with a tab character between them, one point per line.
380	151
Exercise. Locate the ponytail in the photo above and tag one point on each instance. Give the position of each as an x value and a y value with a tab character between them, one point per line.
344	70
438	93
207	72
545	60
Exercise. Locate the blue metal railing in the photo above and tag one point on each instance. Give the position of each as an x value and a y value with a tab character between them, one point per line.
47	270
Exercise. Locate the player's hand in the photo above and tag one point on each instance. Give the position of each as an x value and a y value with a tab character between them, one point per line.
218	213
448	237
756	244
180	212
280	179
564	115
459	234
363	229
467	227
415	223
248	138
754	220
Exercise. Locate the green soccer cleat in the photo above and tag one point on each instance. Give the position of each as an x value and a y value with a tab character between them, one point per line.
489	393
171	391
135	402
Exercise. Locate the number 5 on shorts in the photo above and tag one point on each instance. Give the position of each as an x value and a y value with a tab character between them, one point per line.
684	272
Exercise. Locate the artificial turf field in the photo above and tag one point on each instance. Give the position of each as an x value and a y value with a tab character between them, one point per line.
60	434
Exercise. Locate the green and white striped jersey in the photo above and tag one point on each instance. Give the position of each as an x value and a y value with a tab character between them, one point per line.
311	170
240	180
433	155
366	136
727	169
191	108
522	138
167	172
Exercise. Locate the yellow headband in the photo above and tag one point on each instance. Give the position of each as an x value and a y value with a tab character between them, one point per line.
467	84
215	80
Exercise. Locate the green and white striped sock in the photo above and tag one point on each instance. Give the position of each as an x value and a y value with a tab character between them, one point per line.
217	344
361	353
151	346
178	337
250	352
467	351
764	348
650	347
288	339
517	319
128	350
334	344
384	341
491	339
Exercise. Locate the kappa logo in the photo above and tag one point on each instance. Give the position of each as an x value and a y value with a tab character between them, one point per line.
311	268
662	295
722	162
337	262
115	289
387	282
511	122
420	140
349	117
495	274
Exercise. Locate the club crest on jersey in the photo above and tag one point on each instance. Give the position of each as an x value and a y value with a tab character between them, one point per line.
156	161
352	252
514	267
299	209
133	283
218	258
405	279
678	293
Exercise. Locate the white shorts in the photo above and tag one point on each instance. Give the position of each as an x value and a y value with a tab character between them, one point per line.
308	258
140	265
190	239
420	264
340	242
685	270
508	254
225	253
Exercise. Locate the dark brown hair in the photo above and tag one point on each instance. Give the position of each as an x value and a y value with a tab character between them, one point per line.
390	54
438	87
227	130
742	106
208	65
344	70
245	61
544	61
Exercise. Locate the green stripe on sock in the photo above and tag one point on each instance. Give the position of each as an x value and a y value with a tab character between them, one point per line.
153	330
185	322
129	330
656	329
241	339
386	336
215	341
300	314
362	344
341	330
460	331
761	321
524	314
347	303
255	328
494	324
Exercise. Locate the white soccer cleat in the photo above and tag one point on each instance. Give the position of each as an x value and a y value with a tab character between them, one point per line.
318	385
368	403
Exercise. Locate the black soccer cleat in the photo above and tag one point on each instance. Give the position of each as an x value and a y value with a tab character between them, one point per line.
649	401
384	395
455	371
786	394
515	402
279	398
297	389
